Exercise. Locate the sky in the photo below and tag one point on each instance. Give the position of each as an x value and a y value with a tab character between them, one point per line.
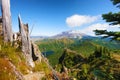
51	17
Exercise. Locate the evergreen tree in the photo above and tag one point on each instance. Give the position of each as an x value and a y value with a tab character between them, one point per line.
114	19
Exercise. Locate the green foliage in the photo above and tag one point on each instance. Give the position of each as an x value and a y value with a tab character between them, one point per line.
114	19
101	51
85	47
85	59
99	65
54	45
70	58
115	2
115	35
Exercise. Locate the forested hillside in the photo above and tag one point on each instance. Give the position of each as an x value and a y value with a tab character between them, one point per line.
83	59
53	48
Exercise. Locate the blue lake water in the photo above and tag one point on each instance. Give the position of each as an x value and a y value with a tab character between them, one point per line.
47	53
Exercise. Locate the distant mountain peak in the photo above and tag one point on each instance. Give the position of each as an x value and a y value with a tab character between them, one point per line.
74	31
66	34
70	34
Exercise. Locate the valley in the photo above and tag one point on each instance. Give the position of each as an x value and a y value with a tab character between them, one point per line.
53	48
83	58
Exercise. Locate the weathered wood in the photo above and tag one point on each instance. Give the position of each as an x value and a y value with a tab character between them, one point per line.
6	21
26	44
0	25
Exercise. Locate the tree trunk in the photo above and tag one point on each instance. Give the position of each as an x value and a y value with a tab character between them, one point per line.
6	21
1	26
26	44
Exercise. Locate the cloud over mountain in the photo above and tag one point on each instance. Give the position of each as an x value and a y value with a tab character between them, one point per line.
99	26
79	20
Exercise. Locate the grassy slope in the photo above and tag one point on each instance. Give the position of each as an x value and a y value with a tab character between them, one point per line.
13	55
10	54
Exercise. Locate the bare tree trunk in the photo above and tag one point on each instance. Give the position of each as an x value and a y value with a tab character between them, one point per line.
26	44
6	21
0	26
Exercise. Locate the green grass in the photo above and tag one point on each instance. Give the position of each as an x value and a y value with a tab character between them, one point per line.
10	54
43	67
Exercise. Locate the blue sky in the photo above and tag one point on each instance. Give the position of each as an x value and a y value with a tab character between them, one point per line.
50	17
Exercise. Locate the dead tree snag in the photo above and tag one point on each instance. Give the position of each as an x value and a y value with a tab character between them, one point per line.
6	21
26	44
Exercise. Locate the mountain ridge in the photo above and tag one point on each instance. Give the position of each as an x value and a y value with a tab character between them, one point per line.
64	34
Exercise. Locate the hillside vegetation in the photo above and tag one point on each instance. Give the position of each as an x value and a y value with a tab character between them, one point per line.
83	59
13	64
101	65
53	48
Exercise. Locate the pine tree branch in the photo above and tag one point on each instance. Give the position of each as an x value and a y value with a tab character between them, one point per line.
114	19
111	34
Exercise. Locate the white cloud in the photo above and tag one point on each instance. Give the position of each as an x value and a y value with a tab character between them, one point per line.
99	26
115	26
79	20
